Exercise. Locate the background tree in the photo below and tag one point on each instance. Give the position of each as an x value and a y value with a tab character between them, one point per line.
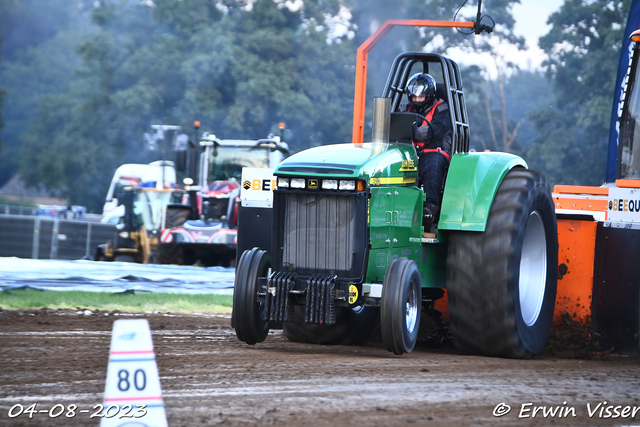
369	15
238	69
497	106
85	86
583	47
39	58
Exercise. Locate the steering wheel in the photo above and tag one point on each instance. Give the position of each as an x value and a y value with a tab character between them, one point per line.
415	129
423	118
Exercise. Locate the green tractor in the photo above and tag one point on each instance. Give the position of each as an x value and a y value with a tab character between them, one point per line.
348	248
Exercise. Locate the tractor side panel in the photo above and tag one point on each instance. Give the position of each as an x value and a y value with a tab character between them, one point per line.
431	260
576	248
616	305
379	259
254	229
395	224
472	182
380	211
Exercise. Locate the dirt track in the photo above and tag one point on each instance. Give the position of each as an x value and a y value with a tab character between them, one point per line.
208	377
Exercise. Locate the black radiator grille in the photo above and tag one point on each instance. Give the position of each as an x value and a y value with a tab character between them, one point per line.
319	232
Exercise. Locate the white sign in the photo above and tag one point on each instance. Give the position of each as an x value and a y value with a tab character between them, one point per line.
624	204
257	187
132	394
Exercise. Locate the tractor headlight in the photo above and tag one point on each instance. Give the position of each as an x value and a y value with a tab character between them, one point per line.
297	182
283	182
347	184
330	184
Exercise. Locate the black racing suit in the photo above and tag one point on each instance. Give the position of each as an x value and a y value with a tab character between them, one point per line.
434	151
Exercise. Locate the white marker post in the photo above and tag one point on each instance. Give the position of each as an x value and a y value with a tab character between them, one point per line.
132	395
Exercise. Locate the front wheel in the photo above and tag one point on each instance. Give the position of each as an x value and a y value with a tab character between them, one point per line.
502	282
246	316
400	306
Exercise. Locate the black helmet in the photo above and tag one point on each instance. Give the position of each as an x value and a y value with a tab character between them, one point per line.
421	84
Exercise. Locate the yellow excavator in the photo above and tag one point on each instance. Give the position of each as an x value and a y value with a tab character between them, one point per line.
138	231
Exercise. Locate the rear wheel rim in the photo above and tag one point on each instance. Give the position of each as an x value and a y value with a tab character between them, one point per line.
411	315
533	269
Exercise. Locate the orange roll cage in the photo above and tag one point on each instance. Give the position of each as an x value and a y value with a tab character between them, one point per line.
359	100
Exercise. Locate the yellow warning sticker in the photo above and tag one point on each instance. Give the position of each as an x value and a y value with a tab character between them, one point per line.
408	166
392	180
353	294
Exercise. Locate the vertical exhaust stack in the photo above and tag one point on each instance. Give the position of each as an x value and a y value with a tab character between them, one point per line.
381	123
381	120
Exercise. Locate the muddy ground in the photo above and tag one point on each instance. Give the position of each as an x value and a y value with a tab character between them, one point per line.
209	378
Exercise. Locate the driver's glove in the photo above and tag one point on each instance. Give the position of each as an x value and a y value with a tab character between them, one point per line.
423	133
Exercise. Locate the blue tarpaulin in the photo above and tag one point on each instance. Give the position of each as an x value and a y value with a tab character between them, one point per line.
83	275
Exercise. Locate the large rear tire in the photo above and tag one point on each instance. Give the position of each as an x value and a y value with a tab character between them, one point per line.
246	316
400	306
501	283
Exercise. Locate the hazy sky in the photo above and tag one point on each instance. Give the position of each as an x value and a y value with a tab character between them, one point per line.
531	23
531	17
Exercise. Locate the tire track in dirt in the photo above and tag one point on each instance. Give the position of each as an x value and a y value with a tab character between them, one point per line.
208	377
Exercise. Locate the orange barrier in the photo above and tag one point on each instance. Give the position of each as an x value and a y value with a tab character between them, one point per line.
627	183
576	248
581	189
581	198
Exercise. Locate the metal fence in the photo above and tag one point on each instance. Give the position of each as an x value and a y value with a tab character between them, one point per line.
17	210
42	237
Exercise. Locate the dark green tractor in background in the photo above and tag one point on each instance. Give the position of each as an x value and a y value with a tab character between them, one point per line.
348	249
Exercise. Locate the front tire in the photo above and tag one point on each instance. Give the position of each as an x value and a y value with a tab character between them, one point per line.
400	306
246	316
502	282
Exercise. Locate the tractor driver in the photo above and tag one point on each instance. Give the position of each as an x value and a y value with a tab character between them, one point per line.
432	141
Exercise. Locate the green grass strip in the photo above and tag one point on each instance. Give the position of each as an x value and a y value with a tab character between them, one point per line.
140	302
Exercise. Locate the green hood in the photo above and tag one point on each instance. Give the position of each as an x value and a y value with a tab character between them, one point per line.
380	164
